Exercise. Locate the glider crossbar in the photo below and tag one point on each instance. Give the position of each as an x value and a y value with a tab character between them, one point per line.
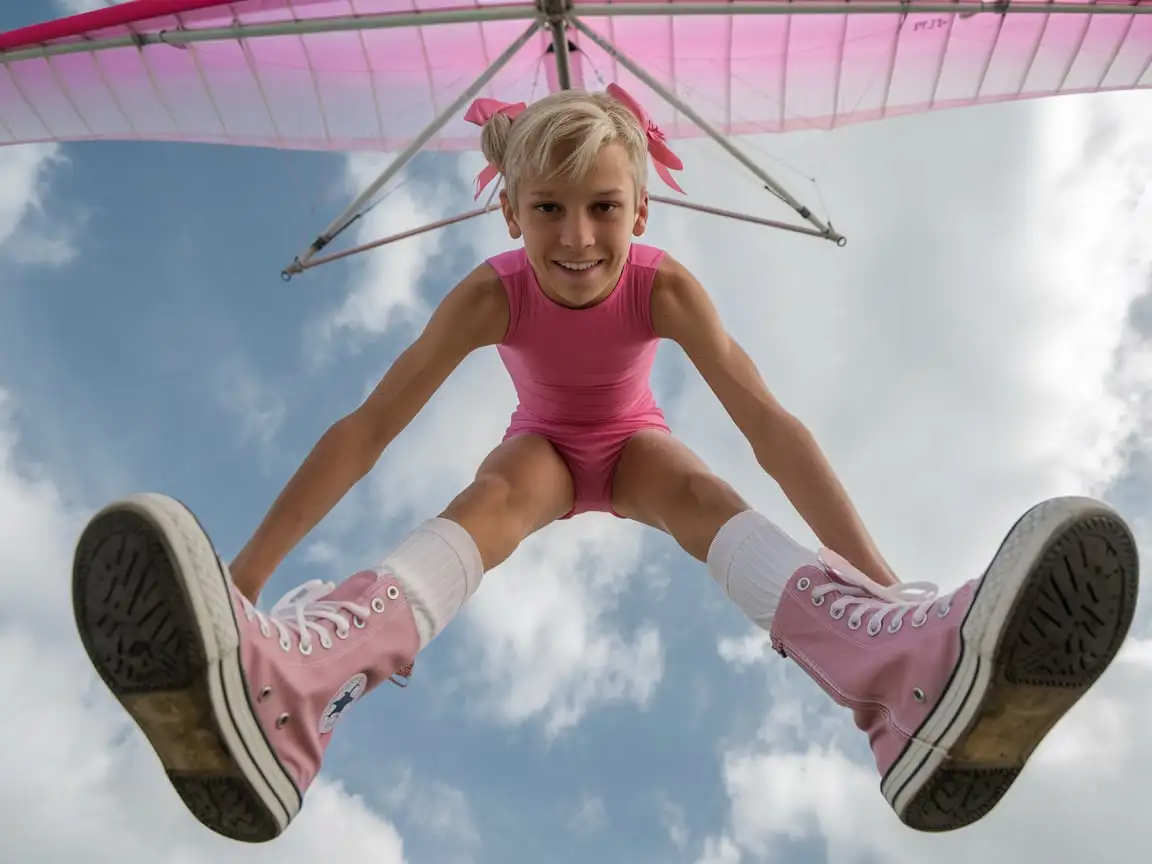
391	238
514	12
742	217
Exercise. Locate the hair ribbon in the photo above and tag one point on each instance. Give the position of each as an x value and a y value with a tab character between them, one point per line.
480	112
662	156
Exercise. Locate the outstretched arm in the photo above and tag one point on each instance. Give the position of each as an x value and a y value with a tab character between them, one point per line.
474	314
784	447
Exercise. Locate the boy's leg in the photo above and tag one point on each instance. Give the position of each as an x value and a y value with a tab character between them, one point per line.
954	692
660	482
520	487
239	704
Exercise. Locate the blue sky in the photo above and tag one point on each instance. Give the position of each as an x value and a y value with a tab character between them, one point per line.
978	345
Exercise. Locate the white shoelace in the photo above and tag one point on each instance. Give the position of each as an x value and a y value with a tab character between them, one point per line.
869	596
298	611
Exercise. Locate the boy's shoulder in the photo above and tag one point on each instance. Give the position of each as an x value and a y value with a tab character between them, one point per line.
681	305
475	312
672	276
507	263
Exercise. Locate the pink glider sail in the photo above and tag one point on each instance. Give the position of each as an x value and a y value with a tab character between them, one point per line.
372	74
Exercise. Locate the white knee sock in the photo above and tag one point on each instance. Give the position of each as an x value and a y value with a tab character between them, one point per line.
439	567
752	560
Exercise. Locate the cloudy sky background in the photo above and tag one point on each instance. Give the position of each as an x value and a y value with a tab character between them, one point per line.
984	341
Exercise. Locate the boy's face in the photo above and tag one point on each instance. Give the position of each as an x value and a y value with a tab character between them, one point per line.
577	235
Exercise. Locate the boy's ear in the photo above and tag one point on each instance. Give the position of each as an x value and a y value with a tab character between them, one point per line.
641	224
509	215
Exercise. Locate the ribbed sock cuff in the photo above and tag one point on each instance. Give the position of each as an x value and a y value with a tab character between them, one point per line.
439	567
752	560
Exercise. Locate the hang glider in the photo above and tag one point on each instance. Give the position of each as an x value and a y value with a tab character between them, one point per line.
396	75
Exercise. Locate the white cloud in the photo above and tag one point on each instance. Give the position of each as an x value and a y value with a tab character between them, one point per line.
72	7
438	810
962	357
541	624
589	815
89	786
257	405
955	376
1090	775
384	291
674	821
26	237
35	519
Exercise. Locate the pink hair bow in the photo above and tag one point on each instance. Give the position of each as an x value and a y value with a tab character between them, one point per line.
480	112
663	157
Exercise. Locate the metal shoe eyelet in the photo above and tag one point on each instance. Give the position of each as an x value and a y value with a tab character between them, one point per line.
802	583
285	645
282	720
325	642
377	604
895	625
305	647
393	592
836	612
943	610
357	623
854	623
873	630
264	631
828	568
817	601
917	694
919	620
342	633
264	694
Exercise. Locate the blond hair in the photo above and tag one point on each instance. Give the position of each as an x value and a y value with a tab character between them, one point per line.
574	124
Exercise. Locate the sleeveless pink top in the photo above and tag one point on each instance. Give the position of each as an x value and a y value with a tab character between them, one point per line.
581	367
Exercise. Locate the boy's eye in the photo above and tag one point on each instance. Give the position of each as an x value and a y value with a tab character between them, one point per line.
601	206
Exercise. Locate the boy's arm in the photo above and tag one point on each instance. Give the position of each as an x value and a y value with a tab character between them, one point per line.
474	314
784	447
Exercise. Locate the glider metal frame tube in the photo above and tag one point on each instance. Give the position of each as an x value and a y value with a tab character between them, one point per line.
400	235
554	12
848	7
677	103
563	61
342	24
415	146
491	208
590	10
737	215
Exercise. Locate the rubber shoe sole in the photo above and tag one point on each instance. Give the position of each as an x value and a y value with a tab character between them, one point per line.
153	607
1050	615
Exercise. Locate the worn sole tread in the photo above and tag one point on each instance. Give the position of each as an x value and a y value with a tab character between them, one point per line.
166	663
1064	626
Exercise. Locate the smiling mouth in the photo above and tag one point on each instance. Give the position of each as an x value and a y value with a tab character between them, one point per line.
578	266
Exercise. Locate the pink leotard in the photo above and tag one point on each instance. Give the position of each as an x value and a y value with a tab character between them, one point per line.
582	375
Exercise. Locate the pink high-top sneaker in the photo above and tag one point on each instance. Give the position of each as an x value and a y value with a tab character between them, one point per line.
955	692
239	705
